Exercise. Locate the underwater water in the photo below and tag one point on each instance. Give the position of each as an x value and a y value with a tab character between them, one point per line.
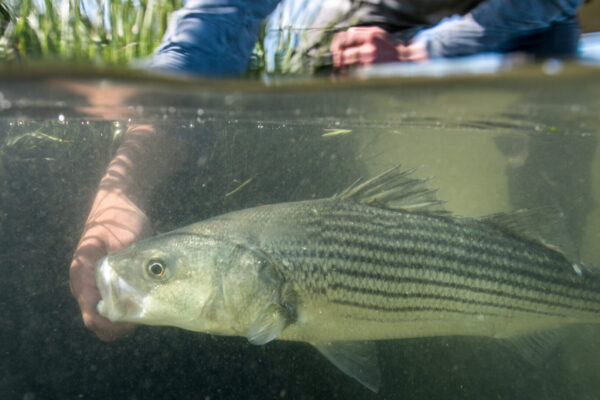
492	143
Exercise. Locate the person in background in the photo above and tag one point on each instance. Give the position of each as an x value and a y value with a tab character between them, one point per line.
401	31
215	38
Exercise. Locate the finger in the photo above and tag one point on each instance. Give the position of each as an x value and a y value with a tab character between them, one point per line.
363	55
88	296
337	41
359	45
85	291
83	285
89	250
367	54
412	52
105	329
354	36
359	35
350	57
336	48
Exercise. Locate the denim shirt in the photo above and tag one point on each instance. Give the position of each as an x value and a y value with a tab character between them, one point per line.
211	37
494	25
216	37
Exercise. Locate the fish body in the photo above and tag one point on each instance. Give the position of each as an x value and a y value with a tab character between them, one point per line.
336	272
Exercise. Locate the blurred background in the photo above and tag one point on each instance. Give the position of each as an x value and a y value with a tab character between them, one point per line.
104	32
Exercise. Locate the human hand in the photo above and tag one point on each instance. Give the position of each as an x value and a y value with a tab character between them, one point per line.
369	45
113	224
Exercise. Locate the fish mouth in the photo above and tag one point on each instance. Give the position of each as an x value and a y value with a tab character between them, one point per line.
120	301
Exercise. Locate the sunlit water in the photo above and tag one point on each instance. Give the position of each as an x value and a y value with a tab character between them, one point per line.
491	143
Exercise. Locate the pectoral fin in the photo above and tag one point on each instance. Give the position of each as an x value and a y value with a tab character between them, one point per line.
356	359
269	324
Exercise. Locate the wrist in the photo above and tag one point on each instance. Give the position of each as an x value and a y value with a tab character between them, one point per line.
134	172
115	212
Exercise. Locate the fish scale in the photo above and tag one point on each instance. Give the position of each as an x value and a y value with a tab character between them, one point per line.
380	260
345	253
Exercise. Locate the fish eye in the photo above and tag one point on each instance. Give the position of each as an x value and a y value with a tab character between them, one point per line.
156	268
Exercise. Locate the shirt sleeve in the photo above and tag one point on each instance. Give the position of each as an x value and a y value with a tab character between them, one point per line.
211	37
492	25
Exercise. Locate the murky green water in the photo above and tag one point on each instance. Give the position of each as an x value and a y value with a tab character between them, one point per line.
492	143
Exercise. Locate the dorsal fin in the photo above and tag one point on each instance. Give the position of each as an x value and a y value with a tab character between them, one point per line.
394	189
545	225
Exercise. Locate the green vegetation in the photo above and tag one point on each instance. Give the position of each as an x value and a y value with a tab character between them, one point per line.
109	33
116	32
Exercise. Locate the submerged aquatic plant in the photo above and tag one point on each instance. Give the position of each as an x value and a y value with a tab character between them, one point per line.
99	31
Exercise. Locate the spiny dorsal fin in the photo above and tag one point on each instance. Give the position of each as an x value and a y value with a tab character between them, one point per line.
542	224
394	189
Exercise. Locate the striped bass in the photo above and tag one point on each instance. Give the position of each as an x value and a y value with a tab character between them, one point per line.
381	260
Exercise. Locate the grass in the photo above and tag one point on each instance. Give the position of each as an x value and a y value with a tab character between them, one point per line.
113	33
64	31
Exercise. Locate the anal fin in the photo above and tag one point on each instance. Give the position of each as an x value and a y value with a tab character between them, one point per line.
535	348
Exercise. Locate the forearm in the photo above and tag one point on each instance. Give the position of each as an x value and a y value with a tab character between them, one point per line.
211	37
116	220
492	25
142	161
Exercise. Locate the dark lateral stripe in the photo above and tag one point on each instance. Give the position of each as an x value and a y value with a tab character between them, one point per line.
187	233
579	305
498	244
387	219
431	296
551	265
419	268
585	296
481	261
392	219
405	227
554	270
412	309
349	263
400	223
538	263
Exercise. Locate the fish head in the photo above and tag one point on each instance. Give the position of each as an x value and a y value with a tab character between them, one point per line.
172	279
